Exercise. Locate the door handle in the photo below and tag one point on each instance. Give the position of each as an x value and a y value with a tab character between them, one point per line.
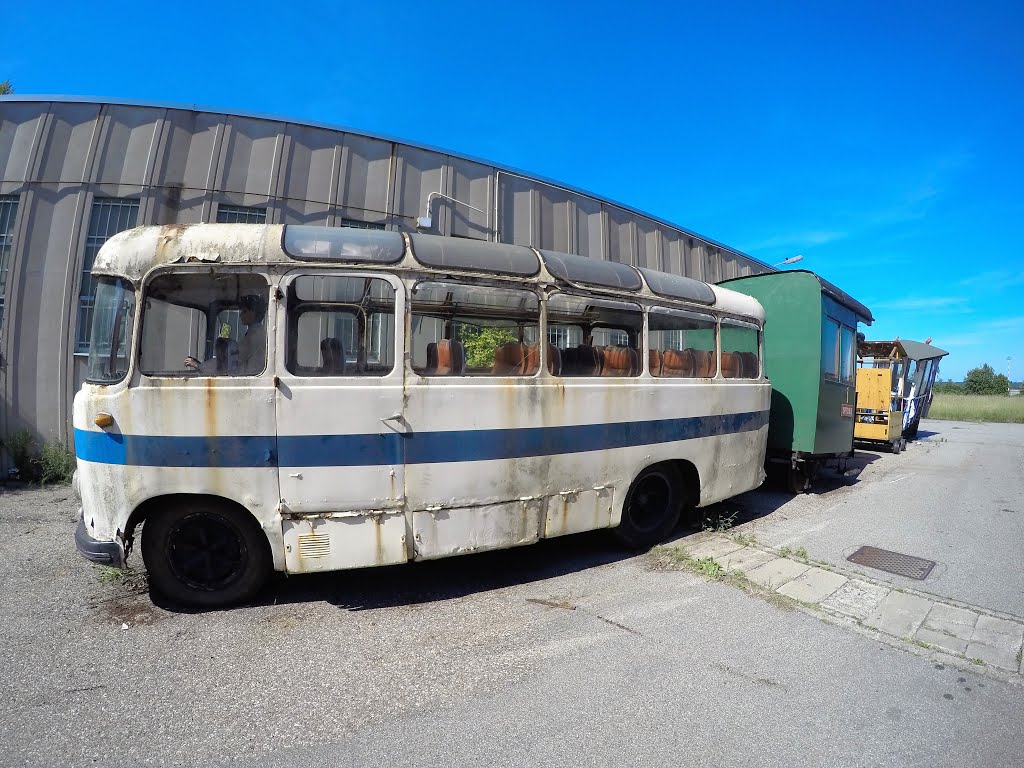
396	423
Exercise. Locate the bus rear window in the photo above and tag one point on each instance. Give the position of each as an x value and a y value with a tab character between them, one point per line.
113	314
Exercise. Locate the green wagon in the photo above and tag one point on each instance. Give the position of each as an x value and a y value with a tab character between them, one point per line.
810	349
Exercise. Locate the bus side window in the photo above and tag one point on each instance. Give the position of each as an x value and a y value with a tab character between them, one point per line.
184	332
740	344
682	344
595	337
474	330
340	326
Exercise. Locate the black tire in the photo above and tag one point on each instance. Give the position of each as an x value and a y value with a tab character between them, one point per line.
897	446
651	508
205	553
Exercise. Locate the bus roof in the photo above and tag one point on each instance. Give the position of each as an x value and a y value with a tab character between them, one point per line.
134	253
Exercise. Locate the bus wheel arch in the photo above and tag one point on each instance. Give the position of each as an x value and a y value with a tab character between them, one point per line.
654	501
203	550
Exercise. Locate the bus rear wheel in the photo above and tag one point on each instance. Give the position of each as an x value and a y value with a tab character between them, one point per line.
652	507
204	553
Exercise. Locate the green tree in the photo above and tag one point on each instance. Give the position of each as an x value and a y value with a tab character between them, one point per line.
6	88
481	341
985	381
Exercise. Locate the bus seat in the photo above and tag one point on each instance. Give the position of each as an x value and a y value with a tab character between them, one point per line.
703	363
332	352
554	360
431	367
678	363
654	361
451	358
509	359
619	361
532	362
749	361
570	361
588	360
731	365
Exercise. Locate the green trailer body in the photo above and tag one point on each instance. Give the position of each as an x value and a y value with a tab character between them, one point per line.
810	341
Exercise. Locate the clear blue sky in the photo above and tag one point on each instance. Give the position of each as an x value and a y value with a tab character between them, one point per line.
883	141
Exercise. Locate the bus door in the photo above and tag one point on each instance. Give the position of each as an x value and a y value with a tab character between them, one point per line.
340	421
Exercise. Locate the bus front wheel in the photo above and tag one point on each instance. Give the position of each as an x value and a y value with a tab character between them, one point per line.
652	507
205	553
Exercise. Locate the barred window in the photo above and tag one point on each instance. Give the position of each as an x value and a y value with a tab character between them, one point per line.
239	214
110	215
8	212
355	224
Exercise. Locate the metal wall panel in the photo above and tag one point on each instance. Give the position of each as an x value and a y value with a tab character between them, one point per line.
693	259
20	125
302	212
417	174
470	183
311	164
672	245
365	174
127	144
515	209
68	143
190	149
648	244
554	219
40	347
620	235
589	237
712	263
249	161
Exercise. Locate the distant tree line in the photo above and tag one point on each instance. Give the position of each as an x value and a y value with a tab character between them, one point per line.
978	381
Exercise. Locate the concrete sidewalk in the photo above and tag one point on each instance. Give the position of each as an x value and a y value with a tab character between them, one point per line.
976	635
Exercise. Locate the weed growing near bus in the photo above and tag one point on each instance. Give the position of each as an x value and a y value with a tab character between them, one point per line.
56	463
21	450
992	408
676	558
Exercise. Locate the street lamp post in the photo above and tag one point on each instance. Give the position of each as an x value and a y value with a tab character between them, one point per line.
790	260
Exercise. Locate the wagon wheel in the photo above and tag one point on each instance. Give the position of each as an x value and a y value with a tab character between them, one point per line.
798	480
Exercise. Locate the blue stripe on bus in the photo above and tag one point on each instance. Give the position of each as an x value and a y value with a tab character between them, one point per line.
388	449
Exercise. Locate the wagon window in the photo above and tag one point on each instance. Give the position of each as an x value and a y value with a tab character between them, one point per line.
341	326
474	330
682	344
847	353
595	337
829	348
740	344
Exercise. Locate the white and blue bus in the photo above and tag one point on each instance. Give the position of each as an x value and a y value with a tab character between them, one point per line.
306	399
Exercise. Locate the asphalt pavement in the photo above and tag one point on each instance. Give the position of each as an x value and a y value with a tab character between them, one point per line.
570	652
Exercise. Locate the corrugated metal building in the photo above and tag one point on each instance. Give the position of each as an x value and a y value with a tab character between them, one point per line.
75	171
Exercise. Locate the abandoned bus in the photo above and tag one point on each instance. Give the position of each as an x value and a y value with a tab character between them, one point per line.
303	399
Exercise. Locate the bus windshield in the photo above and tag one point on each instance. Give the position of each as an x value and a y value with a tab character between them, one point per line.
112	316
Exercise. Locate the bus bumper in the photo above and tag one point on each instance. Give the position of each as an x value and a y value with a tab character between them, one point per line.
107	552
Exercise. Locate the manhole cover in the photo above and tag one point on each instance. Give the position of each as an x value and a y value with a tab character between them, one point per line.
893	562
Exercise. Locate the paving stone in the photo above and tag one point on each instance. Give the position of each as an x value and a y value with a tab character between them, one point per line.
950	620
997	657
713	548
941	640
856	598
998	633
813	585
744	559
899	614
776	572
